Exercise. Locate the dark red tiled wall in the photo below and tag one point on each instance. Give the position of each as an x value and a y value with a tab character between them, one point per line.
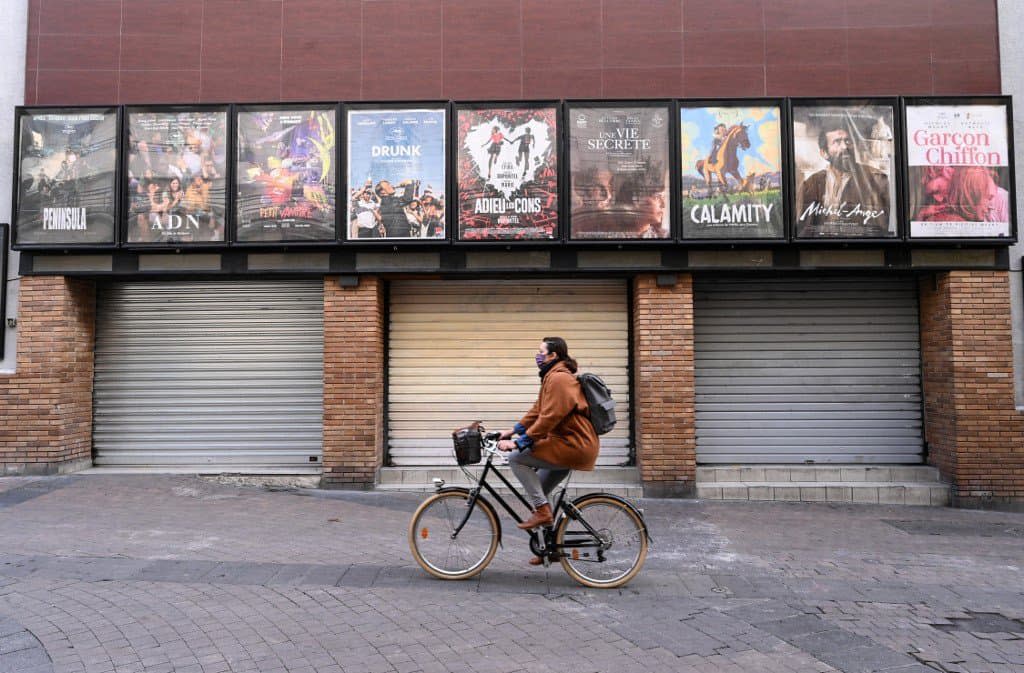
137	51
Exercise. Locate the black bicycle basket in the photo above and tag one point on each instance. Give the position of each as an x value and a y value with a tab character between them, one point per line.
468	444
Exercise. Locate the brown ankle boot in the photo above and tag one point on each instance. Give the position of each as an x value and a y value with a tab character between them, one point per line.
540	517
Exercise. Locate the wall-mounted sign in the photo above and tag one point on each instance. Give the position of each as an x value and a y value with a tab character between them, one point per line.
286	174
67	176
177	163
958	174
396	173
845	171
731	172
619	159
508	173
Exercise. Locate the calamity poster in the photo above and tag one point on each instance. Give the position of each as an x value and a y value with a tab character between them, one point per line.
177	163
731	172
285	175
67	177
619	173
396	174
959	177
508	174
845	171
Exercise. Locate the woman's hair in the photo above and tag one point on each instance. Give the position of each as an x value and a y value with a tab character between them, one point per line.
558	346
969	193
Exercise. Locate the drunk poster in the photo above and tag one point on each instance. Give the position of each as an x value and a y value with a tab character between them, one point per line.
731	172
845	171
177	162
508	174
958	171
619	173
396	174
67	177
286	175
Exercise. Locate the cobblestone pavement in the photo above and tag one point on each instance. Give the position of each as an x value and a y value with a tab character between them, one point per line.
103	574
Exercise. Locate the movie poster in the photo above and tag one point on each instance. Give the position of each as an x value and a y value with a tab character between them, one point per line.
959	177
177	163
508	174
619	166
67	180
731	172
286	175
396	174
845	171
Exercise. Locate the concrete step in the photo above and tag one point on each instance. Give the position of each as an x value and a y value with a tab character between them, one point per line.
875	492
817	473
624	481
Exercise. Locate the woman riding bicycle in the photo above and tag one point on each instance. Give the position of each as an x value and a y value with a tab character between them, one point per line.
554	436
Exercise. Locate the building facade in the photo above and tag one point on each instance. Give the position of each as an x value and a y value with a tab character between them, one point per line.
349	359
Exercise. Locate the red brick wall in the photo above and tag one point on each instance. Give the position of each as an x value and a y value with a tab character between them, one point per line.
663	409
153	51
975	436
354	331
46	406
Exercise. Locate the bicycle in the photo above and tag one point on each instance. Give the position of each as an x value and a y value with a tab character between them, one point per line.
600	539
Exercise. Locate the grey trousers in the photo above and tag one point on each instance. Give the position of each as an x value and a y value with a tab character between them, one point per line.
538	477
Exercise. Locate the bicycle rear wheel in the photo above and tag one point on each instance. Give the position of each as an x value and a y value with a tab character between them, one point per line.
453	558
614	555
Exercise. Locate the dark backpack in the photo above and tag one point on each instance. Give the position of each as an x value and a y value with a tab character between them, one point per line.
599	398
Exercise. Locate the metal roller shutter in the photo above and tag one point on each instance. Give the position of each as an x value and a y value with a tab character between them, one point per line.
208	375
461	351
812	369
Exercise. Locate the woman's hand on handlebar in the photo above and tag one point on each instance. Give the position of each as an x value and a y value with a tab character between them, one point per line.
507	434
507	445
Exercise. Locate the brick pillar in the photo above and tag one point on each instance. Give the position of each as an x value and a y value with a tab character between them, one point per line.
975	435
46	405
353	383
666	446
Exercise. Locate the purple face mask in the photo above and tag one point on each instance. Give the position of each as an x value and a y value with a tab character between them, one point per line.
540	359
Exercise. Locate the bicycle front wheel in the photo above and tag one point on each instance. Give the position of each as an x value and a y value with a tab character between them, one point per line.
436	547
606	546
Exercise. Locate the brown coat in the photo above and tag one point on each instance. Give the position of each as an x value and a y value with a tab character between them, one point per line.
558	422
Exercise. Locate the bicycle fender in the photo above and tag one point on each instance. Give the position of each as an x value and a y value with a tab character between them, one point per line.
620	499
481	501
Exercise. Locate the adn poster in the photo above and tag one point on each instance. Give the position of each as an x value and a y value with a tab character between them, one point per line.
286	175
396	174
177	163
619	173
508	174
731	172
958	171
845	171
67	177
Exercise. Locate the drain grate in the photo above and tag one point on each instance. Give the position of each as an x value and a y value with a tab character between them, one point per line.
984	622
965	529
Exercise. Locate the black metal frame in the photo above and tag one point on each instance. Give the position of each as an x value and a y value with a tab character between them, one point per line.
229	177
671	108
343	181
4	270
896	206
1011	165
784	167
232	220
509	243
22	111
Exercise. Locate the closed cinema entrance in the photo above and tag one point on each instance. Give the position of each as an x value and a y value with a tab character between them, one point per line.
462	351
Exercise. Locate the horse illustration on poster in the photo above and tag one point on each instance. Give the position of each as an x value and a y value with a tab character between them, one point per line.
725	160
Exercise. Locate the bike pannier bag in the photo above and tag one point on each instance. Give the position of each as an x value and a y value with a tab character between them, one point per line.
468	442
599	398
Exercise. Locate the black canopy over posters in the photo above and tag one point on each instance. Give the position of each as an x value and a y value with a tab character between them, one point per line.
845	170
286	174
619	172
67	176
177	163
508	173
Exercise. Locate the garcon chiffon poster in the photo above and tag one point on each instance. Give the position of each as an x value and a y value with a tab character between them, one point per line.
508	174
67	177
959	177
